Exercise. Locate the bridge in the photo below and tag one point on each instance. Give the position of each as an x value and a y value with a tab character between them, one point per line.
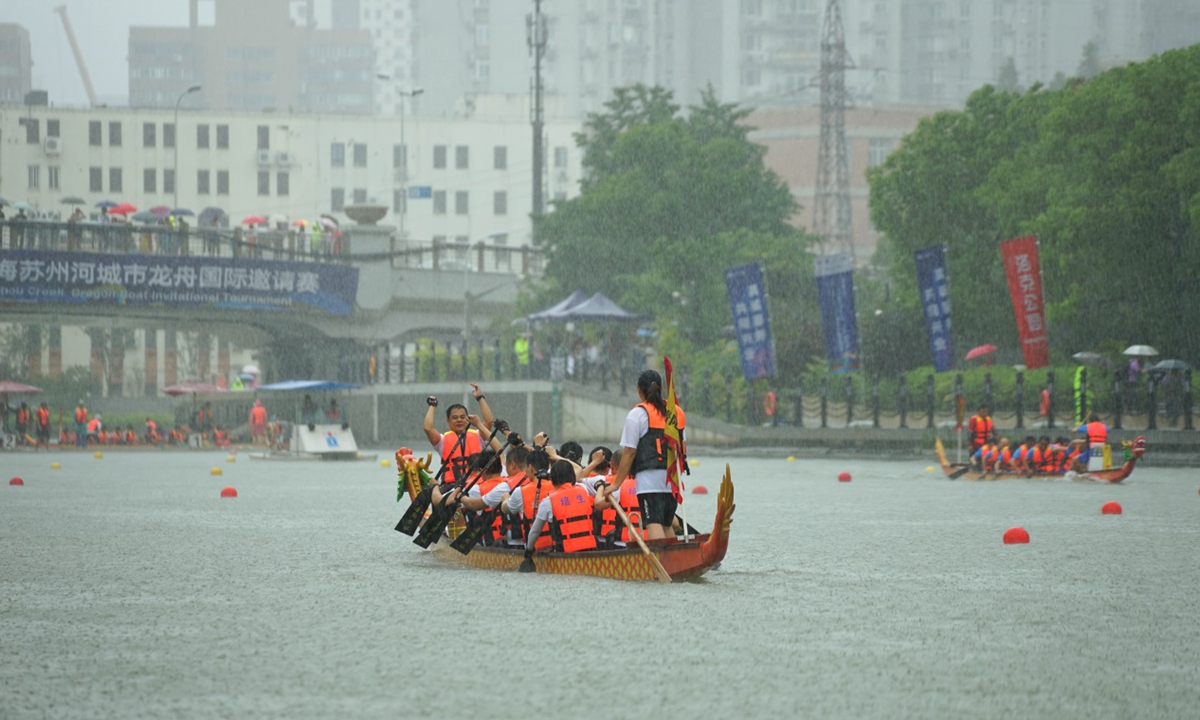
318	301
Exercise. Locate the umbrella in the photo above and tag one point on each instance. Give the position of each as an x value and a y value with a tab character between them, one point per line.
252	369
328	223
181	212
22	206
211	212
73	200
1140	351
192	387
3	202
11	386
146	217
1165	365
122	209
254	220
160	210
106	204
330	218
1089	358
300	223
309	385
980	351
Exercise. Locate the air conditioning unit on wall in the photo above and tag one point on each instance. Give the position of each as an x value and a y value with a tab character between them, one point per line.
53	145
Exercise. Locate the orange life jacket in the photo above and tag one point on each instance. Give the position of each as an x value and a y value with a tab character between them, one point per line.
606	523
990	455
531	496
1006	458
1022	449
981	429
571	507
457	453
43	417
80	414
485	487
633	509
652	448
1097	433
22	416
130	438
258	415
93	425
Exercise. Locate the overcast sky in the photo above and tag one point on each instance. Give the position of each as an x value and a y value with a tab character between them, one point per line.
102	29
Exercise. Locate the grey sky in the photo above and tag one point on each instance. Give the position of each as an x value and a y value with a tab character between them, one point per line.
102	29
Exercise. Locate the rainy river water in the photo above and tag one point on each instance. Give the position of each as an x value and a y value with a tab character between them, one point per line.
128	589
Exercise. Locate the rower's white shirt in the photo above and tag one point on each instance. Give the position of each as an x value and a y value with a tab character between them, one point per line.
492	499
589	483
544	513
637	424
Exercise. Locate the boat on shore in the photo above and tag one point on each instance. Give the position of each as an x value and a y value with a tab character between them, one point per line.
681	560
963	471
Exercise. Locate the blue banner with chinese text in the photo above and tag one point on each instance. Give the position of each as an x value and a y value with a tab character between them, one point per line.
137	279
934	286
835	290
751	320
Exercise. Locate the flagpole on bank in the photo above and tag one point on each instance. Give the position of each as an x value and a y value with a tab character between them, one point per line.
671	430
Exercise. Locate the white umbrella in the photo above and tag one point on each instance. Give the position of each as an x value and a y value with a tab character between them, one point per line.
251	369
1140	351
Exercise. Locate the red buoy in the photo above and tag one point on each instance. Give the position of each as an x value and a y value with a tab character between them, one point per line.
844	476
1111	507
1015	536
403	451
699	490
16	481
228	492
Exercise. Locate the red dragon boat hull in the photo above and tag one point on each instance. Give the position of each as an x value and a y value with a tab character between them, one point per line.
955	471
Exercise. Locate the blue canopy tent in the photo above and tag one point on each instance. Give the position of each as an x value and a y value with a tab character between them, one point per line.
552	312
597	307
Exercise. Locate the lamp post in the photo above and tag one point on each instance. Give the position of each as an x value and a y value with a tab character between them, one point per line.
404	158
175	169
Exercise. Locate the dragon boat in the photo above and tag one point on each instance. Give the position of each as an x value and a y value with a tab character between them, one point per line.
963	471
681	560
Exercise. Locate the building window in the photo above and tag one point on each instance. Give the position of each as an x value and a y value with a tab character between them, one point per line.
751	76
94	133
439	202
399	202
461	202
114	134
33	133
560	157
149	180
169	181
52	176
222	182
114	180
481	34
222	137
52	128
500	202
337	155
500	157
95	179
439	157
360	154
337	199
168	135
399	156
202	137
462	157
264	182
483	69
877	151
281	183
360	196
202	178
35	176
149	135
264	137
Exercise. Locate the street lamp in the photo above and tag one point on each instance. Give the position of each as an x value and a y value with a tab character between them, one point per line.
404	158
175	169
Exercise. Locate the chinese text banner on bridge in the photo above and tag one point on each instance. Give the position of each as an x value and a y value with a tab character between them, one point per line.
934	287
1024	274
748	303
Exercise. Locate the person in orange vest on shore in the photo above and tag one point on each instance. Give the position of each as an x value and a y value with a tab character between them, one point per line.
981	427
204	418
94	428
258	423
152	436
81	423
42	418
23	418
460	442
769	407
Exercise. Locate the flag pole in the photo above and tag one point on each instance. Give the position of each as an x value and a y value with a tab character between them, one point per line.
672	421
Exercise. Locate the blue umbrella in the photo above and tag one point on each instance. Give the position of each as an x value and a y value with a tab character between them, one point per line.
3	202
73	200
181	211
106	204
22	206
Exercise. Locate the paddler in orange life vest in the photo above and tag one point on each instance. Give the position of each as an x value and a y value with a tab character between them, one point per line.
523	503
644	457
455	446
568	510
1095	433
981	428
491	489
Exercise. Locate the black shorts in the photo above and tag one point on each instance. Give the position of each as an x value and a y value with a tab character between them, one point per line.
657	508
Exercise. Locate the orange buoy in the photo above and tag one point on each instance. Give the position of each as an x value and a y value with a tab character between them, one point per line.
843	476
16	481
1016	536
699	490
228	492
1111	507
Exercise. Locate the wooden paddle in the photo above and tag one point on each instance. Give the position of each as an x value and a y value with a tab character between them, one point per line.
436	524
416	510
659	570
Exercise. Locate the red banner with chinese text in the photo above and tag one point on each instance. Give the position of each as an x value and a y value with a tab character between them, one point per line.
1025	286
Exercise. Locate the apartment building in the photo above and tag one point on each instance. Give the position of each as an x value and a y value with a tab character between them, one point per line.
16	64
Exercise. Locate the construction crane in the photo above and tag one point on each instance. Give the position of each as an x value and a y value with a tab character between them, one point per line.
83	73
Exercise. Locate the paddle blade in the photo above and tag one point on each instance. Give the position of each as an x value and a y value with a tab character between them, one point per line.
416	510
959	472
527	566
433	528
470	537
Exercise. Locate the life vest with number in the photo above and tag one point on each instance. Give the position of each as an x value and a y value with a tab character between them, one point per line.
456	453
43	418
571	528
652	447
981	428
81	414
532	495
1097	433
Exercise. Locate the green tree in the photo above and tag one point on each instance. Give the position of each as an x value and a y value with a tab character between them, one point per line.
1089	64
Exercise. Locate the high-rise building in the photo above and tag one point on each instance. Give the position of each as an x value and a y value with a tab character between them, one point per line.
16	64
260	55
